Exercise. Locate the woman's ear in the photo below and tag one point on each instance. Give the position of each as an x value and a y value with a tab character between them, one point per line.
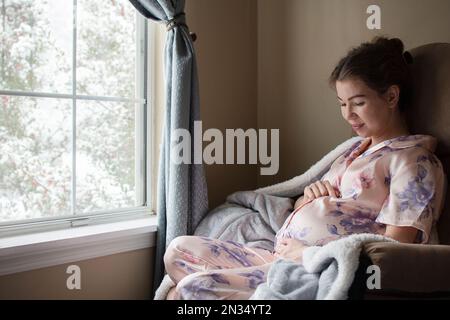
392	95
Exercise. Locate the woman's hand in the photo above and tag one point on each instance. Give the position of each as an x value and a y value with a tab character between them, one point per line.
320	189
291	249
300	201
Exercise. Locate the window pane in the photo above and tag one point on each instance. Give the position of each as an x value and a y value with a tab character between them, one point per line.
35	158
106	48
105	155
36	45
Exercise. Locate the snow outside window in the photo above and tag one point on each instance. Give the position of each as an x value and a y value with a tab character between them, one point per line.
74	117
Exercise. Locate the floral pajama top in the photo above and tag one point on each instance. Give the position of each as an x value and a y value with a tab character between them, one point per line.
397	182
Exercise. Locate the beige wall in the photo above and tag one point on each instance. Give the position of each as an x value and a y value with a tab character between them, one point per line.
120	276
299	42
227	64
226	52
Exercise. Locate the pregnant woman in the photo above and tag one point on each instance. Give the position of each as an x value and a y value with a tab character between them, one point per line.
389	183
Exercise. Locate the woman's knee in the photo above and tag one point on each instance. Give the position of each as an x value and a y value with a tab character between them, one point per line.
197	286
175	246
178	246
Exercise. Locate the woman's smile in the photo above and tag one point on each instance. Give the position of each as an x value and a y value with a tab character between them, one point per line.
357	126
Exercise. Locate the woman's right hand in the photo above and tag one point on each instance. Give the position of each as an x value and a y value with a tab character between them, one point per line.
316	190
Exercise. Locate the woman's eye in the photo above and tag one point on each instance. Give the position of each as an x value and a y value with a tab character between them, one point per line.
359	104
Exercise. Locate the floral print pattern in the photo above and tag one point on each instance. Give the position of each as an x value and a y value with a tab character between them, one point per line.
417	194
396	182
206	268
234	253
219	278
359	222
198	289
255	278
366	179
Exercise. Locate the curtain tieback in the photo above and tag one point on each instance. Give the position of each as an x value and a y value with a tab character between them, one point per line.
177	21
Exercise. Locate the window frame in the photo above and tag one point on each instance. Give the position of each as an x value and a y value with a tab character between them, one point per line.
144	135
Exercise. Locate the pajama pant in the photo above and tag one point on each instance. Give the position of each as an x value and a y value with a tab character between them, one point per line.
205	268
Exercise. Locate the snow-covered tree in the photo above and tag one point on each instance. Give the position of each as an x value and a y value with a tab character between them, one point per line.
35	133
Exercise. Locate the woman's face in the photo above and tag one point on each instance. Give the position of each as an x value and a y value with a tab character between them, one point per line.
368	112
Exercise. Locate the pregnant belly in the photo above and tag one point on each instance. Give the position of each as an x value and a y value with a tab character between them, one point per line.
323	220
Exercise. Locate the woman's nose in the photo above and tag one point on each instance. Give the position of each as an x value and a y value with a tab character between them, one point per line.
349	114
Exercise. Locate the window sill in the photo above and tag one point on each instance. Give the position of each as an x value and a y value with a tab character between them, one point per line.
34	251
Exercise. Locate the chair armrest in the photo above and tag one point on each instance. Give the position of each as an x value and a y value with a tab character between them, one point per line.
411	267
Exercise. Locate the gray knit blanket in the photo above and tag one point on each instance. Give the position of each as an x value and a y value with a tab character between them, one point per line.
326	272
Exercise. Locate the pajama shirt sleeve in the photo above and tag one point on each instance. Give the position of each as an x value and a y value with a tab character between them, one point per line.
415	193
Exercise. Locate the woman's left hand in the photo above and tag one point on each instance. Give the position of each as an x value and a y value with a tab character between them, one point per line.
291	249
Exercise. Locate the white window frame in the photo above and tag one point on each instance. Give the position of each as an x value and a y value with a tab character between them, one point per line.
144	142
52	248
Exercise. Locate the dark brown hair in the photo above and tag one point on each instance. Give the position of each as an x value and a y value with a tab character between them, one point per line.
380	63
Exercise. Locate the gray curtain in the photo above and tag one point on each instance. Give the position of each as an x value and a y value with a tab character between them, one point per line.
182	192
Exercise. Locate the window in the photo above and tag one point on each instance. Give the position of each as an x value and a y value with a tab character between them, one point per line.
74	122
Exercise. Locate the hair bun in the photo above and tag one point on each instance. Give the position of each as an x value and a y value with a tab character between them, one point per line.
393	45
408	57
396	45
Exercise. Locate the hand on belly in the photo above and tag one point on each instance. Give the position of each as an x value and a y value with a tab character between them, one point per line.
320	189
